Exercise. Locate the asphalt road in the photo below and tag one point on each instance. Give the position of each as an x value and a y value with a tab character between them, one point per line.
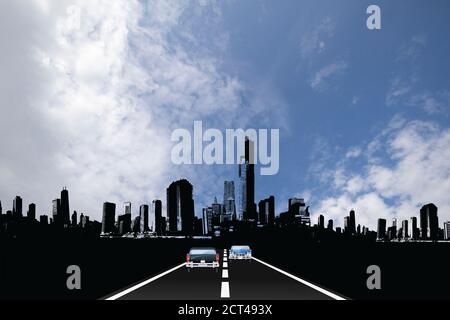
234	280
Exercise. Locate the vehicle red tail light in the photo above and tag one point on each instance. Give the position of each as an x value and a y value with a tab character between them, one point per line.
217	257
188	258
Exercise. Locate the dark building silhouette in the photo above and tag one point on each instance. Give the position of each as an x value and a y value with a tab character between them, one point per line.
136	226
405	231
247	176
124	223
350	223
330	225
415	232
65	211
321	222
157	211
56	212
267	211
143	214
217	212
74	219
429	223
198	227
109	217
229	201
381	229
43	220
180	207
17	207
31	214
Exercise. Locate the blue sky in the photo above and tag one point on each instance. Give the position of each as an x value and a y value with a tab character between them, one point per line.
98	89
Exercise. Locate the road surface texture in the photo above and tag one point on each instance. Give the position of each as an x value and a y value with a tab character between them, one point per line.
234	280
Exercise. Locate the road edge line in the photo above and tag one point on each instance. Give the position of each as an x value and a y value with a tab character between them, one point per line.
309	284
143	283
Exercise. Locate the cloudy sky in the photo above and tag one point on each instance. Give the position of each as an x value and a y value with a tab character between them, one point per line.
90	92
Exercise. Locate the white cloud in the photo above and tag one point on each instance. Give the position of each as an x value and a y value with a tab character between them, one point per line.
315	41
414	171
91	91
319	80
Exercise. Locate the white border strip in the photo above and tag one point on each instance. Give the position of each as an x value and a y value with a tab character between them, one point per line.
313	286
144	283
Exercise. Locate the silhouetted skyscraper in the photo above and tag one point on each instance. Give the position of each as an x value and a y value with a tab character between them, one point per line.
17	207
143	213
124	223
109	217
429	223
330	225
217	212
229	201
127	208
180	207
405	231
56	212
136	225
267	211
65	212
31	214
321	222
352	222
415	234
74	219
157	211
381	229
247	177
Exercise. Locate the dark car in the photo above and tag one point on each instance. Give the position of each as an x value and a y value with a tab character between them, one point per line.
202	258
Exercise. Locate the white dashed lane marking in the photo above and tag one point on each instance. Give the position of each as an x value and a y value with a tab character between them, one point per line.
225	274
225	292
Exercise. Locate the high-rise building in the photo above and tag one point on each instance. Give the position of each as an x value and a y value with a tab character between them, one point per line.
109	218
267	211
143	213
207	221
157	211
415	234
429	223
127	208
136	225
346	224
217	212
17	207
330	225
31	214
405	231
180	207
74	219
124	223
352	222
321	222
65	211
447	230
1	210
247	178
229	202
381	229
56	212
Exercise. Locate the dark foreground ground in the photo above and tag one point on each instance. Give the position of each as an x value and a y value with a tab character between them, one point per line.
37	269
